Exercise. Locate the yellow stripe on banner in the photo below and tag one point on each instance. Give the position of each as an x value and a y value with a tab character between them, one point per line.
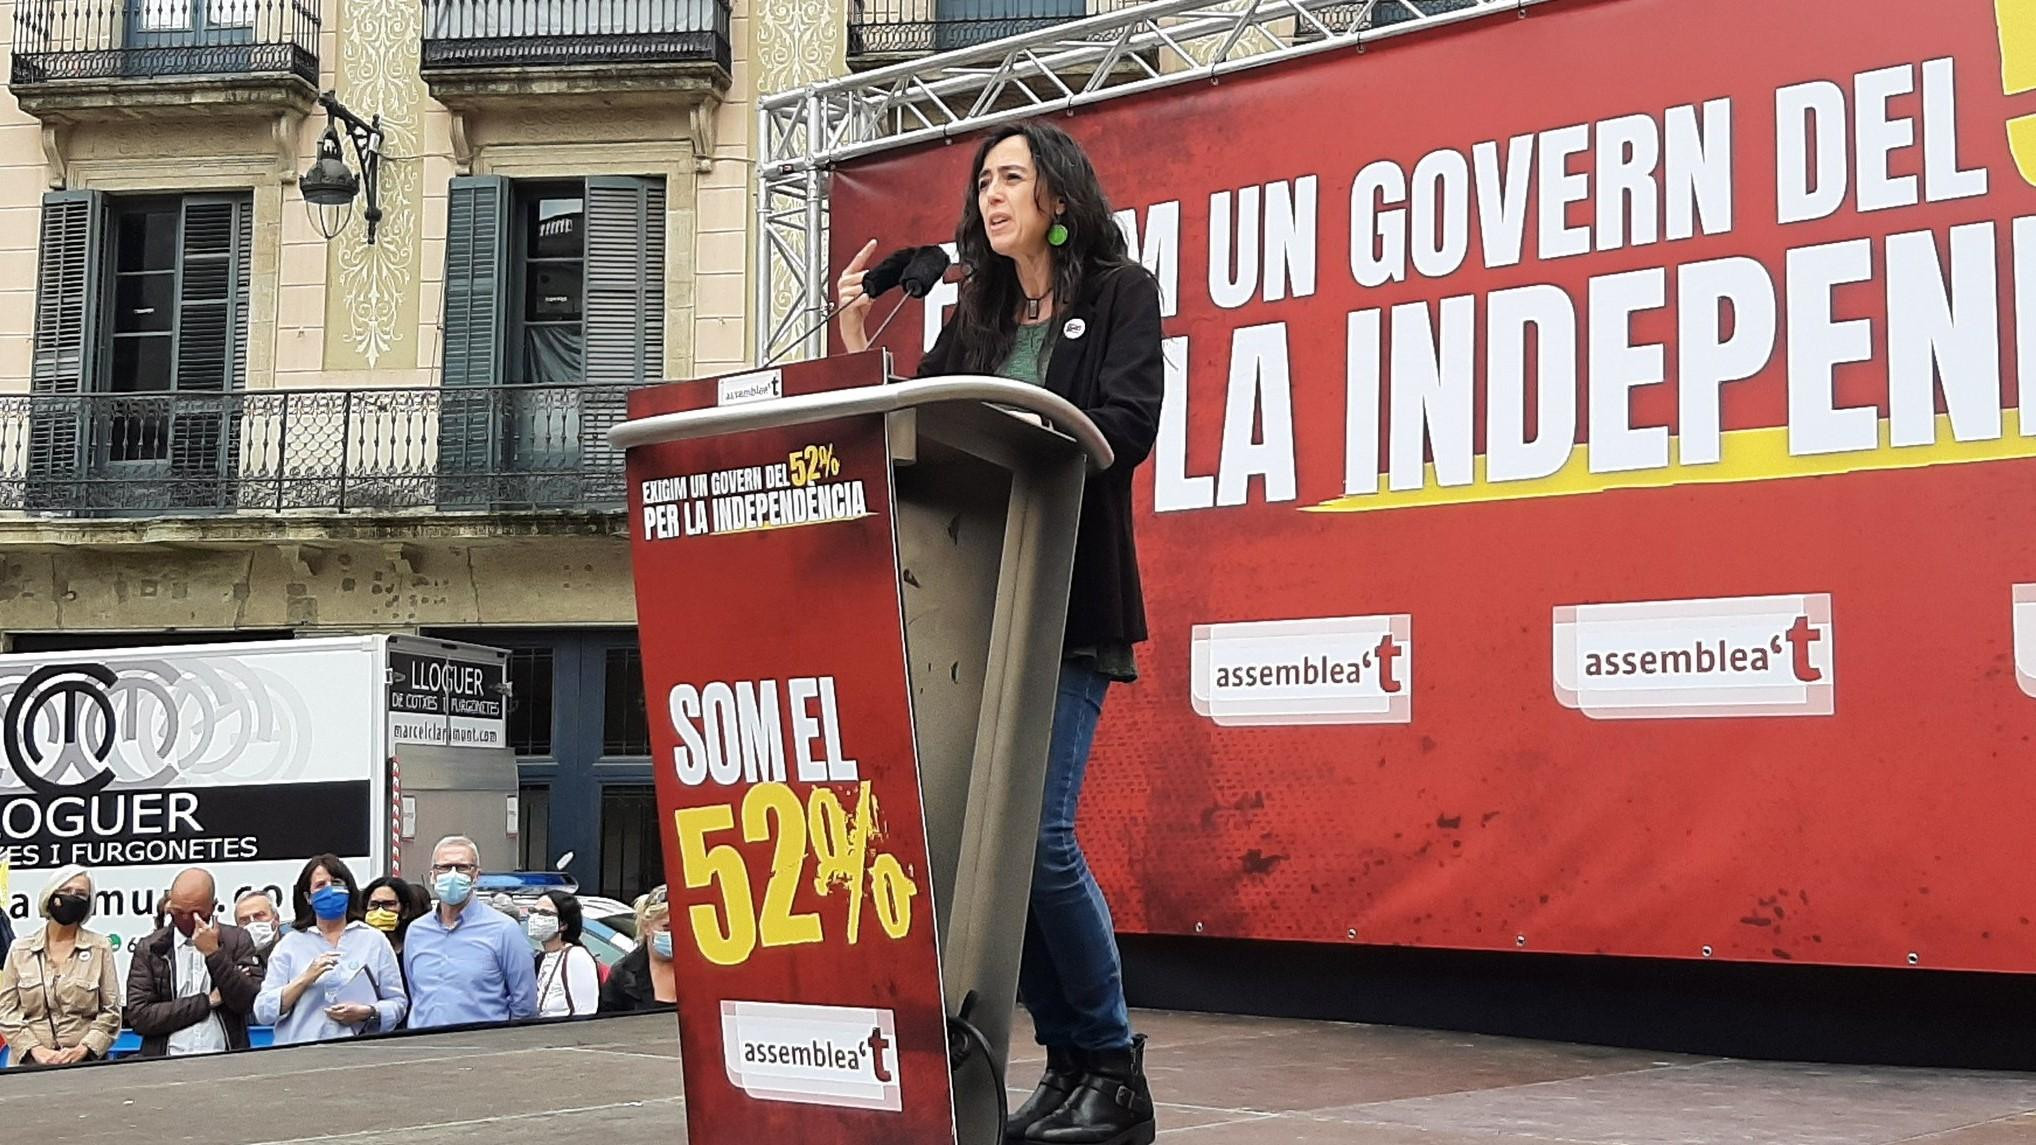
1748	455
2016	20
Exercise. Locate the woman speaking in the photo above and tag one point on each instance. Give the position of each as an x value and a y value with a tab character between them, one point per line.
1050	296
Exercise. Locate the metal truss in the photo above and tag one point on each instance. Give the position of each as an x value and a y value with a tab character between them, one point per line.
806	132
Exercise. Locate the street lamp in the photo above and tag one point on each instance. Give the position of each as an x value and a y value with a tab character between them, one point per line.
329	186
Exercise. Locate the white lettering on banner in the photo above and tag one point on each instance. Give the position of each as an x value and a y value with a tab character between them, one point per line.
1422	427
2025	638
1329	670
733	732
1160	253
1673	659
812	1055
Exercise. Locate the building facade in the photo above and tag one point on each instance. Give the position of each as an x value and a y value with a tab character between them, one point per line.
225	414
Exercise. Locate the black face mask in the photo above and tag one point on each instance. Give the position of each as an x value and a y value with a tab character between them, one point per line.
69	910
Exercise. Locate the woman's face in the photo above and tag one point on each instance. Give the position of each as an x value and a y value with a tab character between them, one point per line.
1009	194
545	906
320	879
382	898
77	886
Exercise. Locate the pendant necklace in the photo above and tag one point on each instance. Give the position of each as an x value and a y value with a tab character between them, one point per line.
1032	306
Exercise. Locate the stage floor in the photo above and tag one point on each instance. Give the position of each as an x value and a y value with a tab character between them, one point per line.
1233	1081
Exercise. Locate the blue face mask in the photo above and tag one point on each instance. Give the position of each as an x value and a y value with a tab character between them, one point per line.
662	943
453	887
330	902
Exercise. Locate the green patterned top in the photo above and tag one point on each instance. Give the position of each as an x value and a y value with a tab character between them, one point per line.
1029	353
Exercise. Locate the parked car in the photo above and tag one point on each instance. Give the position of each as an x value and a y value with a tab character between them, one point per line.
608	927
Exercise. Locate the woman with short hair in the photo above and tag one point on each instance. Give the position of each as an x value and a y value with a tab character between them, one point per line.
59	991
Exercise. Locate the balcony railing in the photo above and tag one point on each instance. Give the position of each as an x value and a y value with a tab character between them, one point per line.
878	28
59	40
915	27
495	449
552	33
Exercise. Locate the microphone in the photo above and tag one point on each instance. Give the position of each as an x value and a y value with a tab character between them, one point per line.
885	275
920	276
925	271
877	280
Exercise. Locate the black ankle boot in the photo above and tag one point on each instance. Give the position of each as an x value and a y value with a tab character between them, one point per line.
1063	1073
1111	1106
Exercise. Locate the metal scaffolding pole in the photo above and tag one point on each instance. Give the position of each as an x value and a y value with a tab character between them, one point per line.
806	132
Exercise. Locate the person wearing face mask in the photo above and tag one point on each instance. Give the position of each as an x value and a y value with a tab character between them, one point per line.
645	979
192	984
467	963
255	912
332	976
568	981
59	992
392	905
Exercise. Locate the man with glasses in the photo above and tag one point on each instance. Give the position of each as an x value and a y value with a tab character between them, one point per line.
467	962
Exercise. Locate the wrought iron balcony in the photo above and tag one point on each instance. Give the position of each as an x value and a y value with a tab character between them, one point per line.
87	41
362	451
502	34
881	30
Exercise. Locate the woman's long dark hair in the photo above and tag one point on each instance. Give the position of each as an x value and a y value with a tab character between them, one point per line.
303	918
986	315
572	917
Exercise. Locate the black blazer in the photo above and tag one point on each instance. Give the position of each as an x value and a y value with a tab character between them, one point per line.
629	989
1111	368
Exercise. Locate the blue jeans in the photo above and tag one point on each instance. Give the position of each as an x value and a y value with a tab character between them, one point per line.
1070	976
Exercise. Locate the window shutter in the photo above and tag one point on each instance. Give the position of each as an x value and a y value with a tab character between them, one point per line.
212	288
625	315
68	287
476	273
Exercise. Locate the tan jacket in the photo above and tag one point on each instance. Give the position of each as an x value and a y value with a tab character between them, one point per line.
85	993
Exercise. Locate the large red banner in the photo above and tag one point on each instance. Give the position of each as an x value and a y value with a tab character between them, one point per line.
1588	510
810	1004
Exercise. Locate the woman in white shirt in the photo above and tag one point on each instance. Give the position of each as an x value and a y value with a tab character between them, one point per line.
332	976
568	984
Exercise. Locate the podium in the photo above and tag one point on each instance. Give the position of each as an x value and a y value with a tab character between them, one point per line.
852	592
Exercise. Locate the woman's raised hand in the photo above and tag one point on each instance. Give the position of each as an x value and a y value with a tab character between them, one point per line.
855	305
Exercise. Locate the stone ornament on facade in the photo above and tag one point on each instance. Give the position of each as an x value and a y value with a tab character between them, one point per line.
378	74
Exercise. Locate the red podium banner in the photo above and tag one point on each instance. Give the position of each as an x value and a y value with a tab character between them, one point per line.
771	622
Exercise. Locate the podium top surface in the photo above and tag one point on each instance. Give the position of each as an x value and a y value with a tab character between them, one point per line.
801	409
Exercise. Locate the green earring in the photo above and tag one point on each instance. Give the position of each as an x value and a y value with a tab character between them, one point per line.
1056	235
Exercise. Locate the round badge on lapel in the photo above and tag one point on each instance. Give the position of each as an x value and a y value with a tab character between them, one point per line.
1075	328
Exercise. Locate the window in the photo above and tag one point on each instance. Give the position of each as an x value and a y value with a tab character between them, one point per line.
551	231
625	724
142	303
554	307
632	850
530	682
533	820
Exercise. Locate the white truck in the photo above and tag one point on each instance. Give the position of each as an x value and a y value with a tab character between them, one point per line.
247	759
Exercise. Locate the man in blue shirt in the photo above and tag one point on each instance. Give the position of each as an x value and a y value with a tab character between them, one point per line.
467	962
